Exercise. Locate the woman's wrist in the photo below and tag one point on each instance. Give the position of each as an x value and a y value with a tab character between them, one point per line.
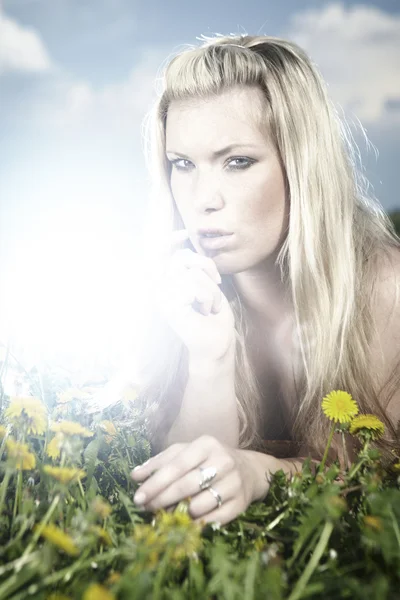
206	364
263	466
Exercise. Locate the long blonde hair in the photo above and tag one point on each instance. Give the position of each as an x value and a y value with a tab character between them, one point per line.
329	260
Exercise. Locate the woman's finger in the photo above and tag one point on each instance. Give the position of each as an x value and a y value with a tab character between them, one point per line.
207	294
191	456
167	245
143	471
186	258
222	515
225	482
177	237
186	287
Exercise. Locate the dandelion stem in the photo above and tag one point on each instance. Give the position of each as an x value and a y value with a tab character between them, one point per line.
18	491
71	570
81	488
328	445
3	445
16	564
395	526
275	522
357	466
345	455
41	526
313	562
18	580
162	568
4	487
63	459
4	368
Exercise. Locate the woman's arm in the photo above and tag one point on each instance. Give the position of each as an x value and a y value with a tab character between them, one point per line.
385	346
209	403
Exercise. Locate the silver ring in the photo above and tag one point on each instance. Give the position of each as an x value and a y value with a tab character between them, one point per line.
216	496
207	475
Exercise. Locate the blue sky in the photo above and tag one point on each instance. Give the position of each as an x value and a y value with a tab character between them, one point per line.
76	78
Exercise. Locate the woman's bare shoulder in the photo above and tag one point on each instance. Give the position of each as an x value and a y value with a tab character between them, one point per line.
385	346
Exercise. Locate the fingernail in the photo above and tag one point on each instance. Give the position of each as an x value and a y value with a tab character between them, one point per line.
136	468
139	498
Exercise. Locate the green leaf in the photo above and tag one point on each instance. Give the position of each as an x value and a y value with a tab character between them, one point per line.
197	581
90	457
130	508
250	577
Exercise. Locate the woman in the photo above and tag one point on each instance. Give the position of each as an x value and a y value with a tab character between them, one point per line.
281	284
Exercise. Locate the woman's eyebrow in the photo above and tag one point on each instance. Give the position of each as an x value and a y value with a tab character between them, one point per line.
217	153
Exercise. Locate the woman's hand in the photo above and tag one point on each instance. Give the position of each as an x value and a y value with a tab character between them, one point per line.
187	295
174	475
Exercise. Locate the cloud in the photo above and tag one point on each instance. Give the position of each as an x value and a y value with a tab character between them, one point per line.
21	48
357	50
76	106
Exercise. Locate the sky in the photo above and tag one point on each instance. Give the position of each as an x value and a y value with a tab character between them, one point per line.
76	80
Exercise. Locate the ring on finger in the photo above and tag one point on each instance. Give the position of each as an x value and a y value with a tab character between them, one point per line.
216	495
207	475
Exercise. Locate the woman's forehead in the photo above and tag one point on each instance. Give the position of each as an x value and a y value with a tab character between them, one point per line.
240	114
250	98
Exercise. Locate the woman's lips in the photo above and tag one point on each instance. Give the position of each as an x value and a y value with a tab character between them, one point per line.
215	242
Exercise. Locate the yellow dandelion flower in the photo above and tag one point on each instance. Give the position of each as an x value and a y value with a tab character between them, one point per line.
174	519
367	423
63	398
3	432
186	533
109	428
396	467
156	540
337	503
145	534
95	591
31	409
374	523
153	559
339	406
54	446
25	460
64	474
71	428
129	394
70	394
101	507
188	546
60	410
59	538
102	534
113	578
259	544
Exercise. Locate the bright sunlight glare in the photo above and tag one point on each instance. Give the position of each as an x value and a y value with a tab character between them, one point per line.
72	282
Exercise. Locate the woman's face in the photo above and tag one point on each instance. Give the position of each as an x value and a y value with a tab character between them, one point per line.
241	191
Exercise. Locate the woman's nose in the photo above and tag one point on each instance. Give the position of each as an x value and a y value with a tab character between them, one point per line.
208	202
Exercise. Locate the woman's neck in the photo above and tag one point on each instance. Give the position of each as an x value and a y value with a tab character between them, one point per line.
264	296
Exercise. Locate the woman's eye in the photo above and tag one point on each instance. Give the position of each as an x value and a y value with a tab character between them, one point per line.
175	162
248	162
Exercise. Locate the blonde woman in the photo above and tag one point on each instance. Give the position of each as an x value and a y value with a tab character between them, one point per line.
281	284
